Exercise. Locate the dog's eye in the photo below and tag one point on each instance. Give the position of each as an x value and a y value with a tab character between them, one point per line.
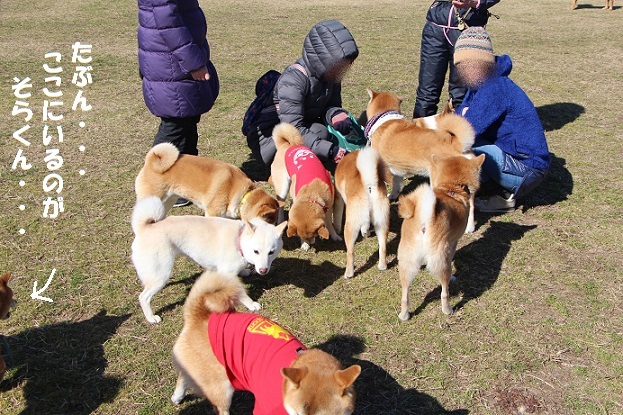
256	252
271	252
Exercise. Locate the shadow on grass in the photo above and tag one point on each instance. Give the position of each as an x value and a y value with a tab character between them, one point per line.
592	6
555	116
313	279
377	392
479	263
556	187
61	367
256	170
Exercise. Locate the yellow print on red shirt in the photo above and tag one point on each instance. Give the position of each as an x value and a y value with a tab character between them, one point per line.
264	326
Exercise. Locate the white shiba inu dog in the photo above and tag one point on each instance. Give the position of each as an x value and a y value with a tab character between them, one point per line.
226	245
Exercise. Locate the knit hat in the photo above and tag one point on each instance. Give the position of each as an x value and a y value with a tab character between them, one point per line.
474	43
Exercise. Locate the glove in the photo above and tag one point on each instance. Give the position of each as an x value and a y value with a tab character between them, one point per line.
341	122
338	153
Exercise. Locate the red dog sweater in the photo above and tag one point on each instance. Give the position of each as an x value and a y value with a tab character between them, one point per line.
253	350
301	161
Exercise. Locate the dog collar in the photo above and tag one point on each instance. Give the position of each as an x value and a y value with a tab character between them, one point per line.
379	119
244	199
324	207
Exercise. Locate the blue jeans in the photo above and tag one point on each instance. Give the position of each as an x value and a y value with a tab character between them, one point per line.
505	170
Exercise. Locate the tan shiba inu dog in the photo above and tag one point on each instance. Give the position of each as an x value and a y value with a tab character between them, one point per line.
311	213
359	184
6	302
219	188
435	216
215	243
219	351
406	147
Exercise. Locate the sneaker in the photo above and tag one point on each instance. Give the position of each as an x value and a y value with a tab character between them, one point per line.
494	204
181	202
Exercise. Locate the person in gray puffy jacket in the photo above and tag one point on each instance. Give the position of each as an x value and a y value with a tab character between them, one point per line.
308	95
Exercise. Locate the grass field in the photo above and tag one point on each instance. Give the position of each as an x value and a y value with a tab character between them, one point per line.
539	323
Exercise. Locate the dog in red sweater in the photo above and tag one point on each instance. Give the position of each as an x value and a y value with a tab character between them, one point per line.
220	350
311	213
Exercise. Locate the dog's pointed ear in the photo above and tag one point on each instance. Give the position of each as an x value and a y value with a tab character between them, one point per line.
479	160
345	378
435	158
371	93
5	278
280	228
323	232
406	207
294	375
291	230
250	226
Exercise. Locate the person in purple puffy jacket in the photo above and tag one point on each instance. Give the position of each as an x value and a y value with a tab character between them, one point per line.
179	81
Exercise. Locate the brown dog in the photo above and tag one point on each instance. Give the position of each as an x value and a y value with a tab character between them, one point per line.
219	188
360	185
407	148
220	350
609	5
6	302
435	216
311	212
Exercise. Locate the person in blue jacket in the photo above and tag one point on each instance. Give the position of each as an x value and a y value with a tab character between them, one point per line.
179	81
508	129
444	22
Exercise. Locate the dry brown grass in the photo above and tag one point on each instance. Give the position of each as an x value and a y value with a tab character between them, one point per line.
538	327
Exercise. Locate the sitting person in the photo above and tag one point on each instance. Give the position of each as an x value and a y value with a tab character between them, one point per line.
508	128
308	95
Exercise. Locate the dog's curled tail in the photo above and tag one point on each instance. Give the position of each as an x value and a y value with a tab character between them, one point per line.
147	210
461	131
213	293
161	157
420	202
373	172
286	134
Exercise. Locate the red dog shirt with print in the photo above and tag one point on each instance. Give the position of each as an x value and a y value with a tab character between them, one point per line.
301	161
253	350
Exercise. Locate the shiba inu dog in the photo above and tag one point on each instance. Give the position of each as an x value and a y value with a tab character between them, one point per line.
311	212
435	216
6	303
360	185
219	351
215	243
405	147
219	188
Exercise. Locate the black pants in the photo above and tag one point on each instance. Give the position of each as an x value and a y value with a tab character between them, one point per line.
181	132
436	54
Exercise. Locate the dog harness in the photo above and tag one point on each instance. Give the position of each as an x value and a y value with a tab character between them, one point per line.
303	163
253	350
380	119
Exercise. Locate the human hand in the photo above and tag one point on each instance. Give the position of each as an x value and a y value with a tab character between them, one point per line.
341	122
339	154
464	4
200	74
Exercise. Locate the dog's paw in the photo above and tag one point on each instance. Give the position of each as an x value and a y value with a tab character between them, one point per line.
447	310
470	228
154	319
348	275
255	306
382	266
404	316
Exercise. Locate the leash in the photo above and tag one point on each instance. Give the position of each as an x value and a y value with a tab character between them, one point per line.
8	350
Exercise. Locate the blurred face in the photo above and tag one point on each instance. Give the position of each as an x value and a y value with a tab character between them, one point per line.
473	73
337	72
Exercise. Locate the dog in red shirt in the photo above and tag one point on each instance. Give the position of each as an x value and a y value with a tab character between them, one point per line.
311	213
220	350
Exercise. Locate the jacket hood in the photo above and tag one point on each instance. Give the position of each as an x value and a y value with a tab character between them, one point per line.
504	65
327	43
